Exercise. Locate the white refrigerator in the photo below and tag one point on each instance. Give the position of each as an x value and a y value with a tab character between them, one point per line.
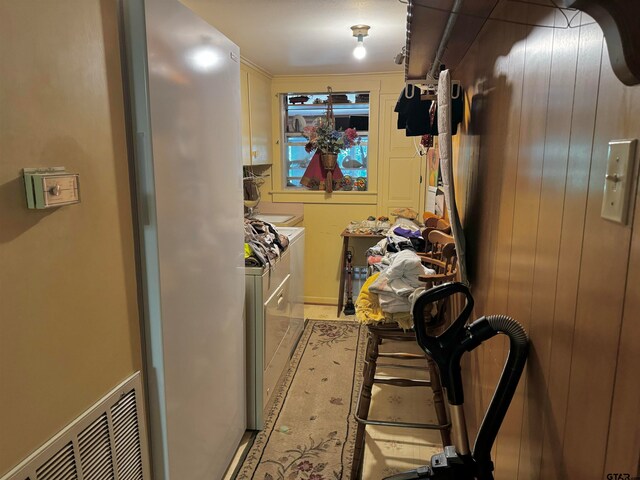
184	89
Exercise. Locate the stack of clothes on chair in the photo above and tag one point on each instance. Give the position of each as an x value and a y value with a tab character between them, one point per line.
262	243
395	268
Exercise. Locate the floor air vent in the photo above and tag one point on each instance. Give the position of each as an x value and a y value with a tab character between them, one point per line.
107	442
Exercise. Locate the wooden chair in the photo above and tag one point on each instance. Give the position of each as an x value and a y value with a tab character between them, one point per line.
431	222
443	262
434	224
442	246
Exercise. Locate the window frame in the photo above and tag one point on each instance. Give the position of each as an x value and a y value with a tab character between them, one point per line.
338	83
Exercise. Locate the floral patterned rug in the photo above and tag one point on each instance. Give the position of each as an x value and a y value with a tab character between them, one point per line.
310	431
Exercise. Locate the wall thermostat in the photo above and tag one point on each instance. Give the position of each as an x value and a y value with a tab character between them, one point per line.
51	187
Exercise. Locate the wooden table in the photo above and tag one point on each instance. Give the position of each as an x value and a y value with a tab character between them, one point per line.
346	236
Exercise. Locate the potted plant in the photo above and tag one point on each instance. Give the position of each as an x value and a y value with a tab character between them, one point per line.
323	137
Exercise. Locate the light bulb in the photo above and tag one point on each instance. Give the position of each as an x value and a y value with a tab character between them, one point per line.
204	58
359	52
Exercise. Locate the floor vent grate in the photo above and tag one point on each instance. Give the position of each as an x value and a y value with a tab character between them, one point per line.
107	442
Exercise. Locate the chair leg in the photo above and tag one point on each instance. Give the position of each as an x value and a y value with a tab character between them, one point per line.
438	401
364	403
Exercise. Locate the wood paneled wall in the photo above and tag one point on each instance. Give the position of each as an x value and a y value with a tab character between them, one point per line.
542	105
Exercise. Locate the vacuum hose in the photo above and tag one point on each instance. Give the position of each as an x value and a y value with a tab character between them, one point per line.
518	350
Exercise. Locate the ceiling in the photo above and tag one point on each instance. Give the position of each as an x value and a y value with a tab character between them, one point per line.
301	37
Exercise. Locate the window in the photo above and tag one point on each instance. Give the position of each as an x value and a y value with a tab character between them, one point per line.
351	110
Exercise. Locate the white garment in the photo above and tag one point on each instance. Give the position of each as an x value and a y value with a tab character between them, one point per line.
394	284
417	293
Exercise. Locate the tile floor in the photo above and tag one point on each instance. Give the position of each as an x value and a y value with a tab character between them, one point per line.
388	450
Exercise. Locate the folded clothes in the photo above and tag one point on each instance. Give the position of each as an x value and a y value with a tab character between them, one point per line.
394	285
367	305
407	233
368	309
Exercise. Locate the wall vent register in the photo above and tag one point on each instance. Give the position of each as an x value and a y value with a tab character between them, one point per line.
108	441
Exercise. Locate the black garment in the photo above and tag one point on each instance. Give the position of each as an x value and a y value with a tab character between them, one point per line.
413	113
418	243
414	117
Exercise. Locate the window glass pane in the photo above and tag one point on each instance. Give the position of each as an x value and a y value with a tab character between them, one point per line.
350	111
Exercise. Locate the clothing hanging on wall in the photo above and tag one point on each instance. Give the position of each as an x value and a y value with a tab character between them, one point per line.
418	117
413	113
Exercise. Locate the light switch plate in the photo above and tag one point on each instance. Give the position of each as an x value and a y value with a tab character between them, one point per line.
618	180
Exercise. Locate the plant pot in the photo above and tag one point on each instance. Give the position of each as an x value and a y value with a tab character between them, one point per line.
329	162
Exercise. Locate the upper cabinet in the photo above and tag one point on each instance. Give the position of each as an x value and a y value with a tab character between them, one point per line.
255	89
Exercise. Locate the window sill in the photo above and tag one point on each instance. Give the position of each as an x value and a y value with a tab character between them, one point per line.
320	196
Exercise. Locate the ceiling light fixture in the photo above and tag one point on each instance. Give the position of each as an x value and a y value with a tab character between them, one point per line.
360	31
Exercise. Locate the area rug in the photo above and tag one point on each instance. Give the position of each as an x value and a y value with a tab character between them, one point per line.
310	430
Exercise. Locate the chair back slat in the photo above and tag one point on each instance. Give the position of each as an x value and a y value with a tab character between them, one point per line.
442	258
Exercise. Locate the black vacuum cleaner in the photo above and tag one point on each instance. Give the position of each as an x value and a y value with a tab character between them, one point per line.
458	462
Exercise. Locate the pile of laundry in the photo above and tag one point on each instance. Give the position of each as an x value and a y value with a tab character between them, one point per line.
404	234
389	293
262	243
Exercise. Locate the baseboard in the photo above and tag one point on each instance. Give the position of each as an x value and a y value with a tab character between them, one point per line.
321	300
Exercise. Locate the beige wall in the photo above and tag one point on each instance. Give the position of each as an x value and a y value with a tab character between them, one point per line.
326	216
68	309
531	163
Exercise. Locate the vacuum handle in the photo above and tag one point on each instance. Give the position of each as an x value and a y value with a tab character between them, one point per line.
440	292
445	349
487	327
437	294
